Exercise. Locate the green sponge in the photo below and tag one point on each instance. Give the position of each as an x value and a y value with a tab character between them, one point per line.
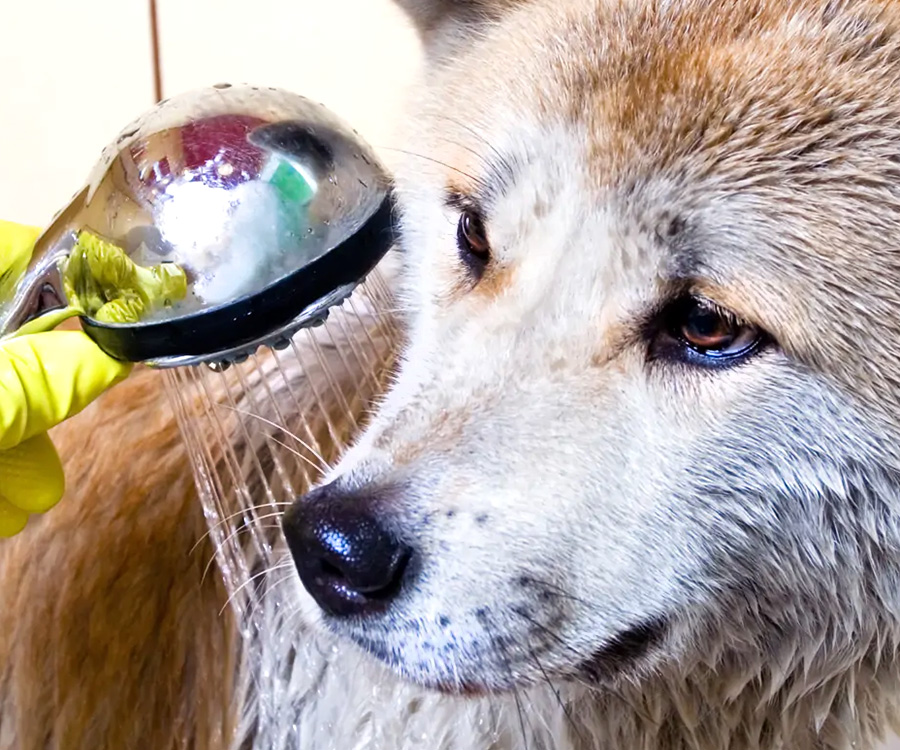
109	287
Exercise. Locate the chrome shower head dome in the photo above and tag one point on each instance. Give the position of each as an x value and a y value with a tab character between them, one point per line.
220	220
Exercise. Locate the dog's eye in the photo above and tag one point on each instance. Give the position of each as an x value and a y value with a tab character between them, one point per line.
698	331
471	237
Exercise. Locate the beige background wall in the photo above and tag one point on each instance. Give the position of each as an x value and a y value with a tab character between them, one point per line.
73	74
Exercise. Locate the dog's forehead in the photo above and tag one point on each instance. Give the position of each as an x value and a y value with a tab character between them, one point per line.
748	116
718	89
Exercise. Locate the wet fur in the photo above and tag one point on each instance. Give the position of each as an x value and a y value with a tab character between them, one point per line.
745	519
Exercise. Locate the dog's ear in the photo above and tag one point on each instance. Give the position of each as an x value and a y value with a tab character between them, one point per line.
438	21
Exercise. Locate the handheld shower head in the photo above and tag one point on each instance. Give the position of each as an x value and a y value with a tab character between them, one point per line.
221	220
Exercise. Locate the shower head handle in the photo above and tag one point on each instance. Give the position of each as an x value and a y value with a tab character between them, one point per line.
222	219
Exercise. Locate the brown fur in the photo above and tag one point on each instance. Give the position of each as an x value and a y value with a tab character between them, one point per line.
113	637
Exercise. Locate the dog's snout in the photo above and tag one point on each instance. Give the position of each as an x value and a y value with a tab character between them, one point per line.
348	561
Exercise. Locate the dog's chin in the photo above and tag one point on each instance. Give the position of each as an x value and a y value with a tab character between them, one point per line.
604	669
453	679
473	687
494	672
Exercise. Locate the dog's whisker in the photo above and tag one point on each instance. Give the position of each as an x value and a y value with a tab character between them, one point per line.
521	716
262	600
454	668
243	511
555	636
249	581
501	159
504	658
608	690
243	529
476	180
565	709
281	581
556	590
323	470
283	429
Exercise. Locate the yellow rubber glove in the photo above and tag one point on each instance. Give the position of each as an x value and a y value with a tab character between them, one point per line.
45	378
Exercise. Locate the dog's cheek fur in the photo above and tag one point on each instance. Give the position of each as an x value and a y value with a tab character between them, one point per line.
790	512
592	540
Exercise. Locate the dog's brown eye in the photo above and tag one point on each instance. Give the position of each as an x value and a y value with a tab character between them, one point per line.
697	331
706	330
472	237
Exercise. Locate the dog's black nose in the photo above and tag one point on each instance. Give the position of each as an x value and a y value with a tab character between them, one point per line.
347	560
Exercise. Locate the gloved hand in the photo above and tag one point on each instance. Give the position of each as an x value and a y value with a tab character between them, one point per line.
45	378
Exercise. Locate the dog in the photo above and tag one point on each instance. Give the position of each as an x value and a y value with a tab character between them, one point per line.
636	480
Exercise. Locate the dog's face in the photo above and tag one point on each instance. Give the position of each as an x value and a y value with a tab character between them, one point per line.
647	414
